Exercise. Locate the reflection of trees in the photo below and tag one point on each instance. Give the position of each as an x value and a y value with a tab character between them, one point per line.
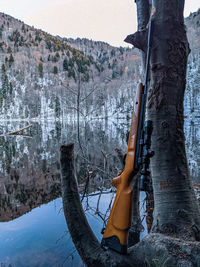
17	199
30	170
29	178
96	157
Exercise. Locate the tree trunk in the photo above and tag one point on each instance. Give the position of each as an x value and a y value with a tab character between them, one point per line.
176	211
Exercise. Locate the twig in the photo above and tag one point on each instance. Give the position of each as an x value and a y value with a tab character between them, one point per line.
102	193
97	209
22	135
20	130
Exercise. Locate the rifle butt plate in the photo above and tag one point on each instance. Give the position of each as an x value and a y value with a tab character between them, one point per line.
114	244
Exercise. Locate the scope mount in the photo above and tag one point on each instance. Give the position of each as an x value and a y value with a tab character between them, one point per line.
147	153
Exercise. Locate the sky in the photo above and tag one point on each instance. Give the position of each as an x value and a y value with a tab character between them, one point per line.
101	20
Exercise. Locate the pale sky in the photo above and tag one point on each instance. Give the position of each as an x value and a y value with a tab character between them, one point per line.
101	20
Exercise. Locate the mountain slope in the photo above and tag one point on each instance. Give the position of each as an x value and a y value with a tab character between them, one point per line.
42	76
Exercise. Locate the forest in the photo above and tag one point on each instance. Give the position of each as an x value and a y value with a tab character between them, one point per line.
105	137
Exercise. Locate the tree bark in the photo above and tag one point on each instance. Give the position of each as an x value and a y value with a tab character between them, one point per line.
176	212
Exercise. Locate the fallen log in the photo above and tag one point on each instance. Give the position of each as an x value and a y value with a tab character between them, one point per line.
20	130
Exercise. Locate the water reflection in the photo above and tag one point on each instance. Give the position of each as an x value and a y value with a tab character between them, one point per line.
40	238
30	170
30	176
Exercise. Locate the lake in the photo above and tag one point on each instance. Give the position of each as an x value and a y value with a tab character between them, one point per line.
32	226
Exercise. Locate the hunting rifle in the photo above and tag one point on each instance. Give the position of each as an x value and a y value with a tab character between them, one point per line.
137	158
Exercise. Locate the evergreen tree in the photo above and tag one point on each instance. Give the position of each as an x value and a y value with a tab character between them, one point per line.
1	31
11	88
71	73
1	98
5	86
65	64
40	69
9	50
3	68
11	60
55	59
55	70
4	82
57	55
57	107
23	28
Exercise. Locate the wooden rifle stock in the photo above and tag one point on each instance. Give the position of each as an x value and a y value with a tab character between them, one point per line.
120	219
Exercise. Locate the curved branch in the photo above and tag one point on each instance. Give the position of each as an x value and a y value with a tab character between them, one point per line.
83	237
72	206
